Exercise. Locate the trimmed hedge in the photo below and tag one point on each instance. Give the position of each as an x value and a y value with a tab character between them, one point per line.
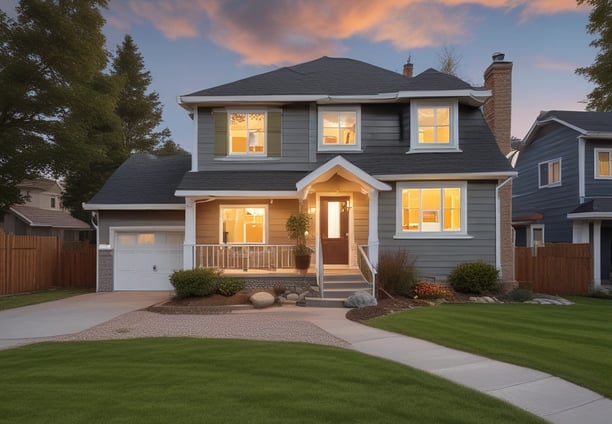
195	282
230	286
473	277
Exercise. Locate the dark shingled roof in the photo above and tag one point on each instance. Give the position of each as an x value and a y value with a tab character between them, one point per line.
588	121
37	217
242	180
594	206
334	76
145	179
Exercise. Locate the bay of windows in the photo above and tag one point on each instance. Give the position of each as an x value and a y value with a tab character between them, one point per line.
431	209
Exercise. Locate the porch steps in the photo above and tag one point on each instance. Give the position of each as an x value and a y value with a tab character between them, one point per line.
336	289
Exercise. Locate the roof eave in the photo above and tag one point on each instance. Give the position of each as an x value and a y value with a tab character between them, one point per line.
132	206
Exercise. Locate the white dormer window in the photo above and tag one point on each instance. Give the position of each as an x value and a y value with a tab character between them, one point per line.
247	133
339	128
434	126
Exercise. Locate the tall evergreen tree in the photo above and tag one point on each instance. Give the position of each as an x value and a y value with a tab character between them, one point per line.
140	112
51	65
600	72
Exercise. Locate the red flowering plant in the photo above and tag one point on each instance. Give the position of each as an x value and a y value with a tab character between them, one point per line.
425	290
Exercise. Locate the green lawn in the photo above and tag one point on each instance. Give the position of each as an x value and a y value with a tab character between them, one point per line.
571	342
19	300
183	380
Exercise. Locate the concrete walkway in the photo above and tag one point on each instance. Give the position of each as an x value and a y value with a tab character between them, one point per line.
549	397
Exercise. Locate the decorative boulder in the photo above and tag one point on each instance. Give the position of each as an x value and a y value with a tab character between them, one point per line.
360	300
293	296
261	299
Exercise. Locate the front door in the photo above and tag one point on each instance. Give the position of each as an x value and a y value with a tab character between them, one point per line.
334	230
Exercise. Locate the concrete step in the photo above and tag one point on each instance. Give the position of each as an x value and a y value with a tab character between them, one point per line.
346	285
342	277
317	302
341	293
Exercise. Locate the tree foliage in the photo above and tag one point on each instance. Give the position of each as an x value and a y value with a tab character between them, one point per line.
61	113
600	72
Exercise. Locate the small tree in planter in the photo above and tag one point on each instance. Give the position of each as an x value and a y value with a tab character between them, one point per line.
298	225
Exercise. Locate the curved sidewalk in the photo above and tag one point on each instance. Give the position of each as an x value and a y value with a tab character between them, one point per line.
542	394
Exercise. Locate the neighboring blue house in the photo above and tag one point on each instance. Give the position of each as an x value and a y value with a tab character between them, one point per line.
563	192
379	160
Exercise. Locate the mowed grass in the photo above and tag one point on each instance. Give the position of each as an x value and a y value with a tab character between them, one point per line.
571	342
17	301
183	380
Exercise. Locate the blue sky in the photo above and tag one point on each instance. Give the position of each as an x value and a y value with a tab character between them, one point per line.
189	45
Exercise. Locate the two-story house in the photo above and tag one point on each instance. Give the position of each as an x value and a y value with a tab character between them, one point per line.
563	192
42	213
379	160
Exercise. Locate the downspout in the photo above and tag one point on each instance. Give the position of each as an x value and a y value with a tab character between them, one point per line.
498	224
94	222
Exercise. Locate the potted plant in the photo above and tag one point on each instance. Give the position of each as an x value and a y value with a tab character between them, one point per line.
298	225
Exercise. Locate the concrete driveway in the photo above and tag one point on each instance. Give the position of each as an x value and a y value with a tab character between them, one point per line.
70	315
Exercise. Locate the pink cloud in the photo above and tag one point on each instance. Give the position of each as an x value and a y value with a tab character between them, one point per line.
287	31
545	63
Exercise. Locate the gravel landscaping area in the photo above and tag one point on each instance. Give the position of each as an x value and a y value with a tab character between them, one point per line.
256	325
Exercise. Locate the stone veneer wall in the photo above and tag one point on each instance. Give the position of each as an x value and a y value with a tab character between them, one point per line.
303	282
105	270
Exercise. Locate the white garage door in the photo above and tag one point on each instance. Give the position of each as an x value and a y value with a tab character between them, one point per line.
145	260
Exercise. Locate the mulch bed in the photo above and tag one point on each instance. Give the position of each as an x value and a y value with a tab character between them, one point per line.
384	307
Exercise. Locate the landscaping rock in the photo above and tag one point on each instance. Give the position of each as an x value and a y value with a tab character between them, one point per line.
360	300
261	300
293	296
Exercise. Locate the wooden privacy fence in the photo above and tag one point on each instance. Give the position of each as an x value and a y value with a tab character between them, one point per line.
560	268
32	263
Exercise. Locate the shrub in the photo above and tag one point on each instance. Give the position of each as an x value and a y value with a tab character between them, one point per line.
426	290
521	295
396	272
279	290
473	277
195	282
230	286
601	294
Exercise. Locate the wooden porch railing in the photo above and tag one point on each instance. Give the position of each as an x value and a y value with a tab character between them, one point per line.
244	256
366	268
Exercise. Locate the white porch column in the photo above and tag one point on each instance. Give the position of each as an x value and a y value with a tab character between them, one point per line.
596	255
188	246
373	241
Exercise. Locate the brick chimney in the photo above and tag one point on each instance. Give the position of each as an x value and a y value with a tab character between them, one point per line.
408	69
498	108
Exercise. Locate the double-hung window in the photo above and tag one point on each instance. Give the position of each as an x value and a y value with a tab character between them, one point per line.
603	163
549	173
431	209
434	126
243	224
339	128
247	133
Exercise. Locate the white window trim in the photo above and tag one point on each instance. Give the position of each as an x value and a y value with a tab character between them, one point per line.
452	146
530	234
338	147
548	163
246	155
235	206
401	234
595	159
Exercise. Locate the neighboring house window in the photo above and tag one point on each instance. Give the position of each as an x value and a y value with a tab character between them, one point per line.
430	209
53	203
243	224
247	133
550	173
603	163
434	126
339	128
536	235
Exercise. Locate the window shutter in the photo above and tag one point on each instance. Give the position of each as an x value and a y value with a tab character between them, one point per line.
220	119
274	134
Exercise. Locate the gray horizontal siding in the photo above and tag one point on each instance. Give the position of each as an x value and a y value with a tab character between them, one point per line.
554	203
109	219
593	187
380	125
437	257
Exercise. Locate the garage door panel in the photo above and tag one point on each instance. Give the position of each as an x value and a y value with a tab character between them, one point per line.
145	260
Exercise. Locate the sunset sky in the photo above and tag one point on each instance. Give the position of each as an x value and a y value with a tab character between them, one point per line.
189	45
